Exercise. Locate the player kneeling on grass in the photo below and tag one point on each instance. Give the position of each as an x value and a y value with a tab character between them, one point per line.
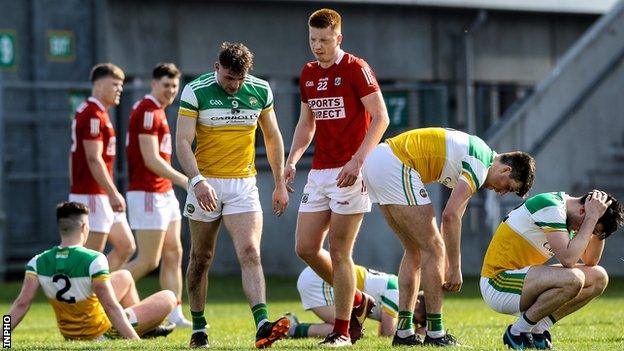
89	302
318	296
515	279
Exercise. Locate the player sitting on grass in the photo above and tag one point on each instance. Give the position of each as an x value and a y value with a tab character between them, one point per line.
318	296
89	302
516	280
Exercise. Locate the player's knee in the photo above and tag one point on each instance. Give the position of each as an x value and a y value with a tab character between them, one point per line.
201	259
173	253
124	275
171	299
575	280
433	249
306	253
600	279
129	249
249	256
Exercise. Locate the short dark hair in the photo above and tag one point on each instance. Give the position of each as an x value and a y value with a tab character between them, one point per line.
612	219
68	216
165	69
236	57
522	169
103	70
324	18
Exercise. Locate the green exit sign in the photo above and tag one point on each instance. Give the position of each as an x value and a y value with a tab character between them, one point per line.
397	103
7	49
61	46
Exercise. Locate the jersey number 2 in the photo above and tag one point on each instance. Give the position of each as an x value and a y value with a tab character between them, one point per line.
59	294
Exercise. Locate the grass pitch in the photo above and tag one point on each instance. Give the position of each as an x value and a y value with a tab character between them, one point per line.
599	326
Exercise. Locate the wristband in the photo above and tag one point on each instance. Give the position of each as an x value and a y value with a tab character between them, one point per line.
196	179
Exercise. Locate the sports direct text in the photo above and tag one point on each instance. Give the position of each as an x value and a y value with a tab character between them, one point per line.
327	108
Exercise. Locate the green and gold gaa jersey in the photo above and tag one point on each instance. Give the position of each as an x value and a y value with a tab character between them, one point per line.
226	124
383	287
65	274
520	240
444	156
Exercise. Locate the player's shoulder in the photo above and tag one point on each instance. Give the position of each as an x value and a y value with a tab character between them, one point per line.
87	254
205	80
88	108
146	104
544	200
353	61
257	82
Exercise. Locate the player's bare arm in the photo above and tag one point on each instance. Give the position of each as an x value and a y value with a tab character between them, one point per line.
592	254
21	305
275	153
567	251
451	233
148	144
376	107
304	132
105	293
93	152
185	134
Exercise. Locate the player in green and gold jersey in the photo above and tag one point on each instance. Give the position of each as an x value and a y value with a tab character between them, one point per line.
221	110
515	278
395	174
89	302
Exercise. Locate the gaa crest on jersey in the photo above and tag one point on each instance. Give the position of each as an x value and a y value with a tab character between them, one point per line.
337	81
253	101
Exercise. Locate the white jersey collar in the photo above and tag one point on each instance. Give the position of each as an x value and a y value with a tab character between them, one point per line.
97	102
339	57
151	97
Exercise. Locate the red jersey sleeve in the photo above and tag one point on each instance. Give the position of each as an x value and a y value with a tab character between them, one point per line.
90	127
149	121
363	78
303	78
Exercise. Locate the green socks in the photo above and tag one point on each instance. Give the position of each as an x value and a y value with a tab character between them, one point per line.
260	314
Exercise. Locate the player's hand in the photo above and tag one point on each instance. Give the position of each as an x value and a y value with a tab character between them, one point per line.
117	202
289	177
349	173
206	196
280	199
596	204
453	280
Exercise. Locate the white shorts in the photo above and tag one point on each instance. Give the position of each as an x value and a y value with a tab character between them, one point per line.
314	291
390	182
321	193
234	195
502	293
152	211
101	215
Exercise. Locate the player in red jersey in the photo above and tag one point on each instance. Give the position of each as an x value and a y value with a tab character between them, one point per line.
91	160
153	208
341	102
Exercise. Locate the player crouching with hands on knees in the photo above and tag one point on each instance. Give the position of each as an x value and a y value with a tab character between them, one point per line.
516	280
89	302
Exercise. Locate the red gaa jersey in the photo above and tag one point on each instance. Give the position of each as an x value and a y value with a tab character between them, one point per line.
333	94
149	118
90	123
